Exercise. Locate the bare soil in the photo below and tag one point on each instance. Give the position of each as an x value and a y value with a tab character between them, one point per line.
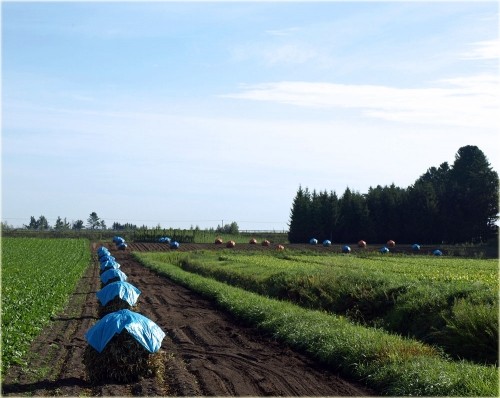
207	353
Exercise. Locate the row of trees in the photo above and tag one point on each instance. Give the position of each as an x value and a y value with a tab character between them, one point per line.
96	223
41	224
453	204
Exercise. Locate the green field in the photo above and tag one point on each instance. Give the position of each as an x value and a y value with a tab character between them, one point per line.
449	302
38	275
387	362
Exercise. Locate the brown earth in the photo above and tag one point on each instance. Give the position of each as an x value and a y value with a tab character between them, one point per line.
207	353
470	251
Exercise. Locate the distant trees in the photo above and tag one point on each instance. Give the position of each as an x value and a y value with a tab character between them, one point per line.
123	227
41	224
38	224
228	229
77	225
94	222
61	225
457	203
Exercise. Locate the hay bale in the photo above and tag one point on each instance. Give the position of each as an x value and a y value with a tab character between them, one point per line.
123	360
114	305
112	275
117	279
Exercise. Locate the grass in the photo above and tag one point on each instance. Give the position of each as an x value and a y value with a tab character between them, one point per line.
38	275
449	302
390	364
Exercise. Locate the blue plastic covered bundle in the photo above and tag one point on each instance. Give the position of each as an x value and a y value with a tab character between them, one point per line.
122	246
123	290
346	249
118	239
174	245
109	265
102	251
327	243
313	241
437	252
143	329
111	274
164	239
102	248
105	258
416	247
384	250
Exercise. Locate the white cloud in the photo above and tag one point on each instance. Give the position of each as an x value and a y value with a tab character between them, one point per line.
489	49
468	101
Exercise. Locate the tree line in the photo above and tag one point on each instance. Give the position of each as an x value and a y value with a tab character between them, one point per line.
450	204
95	223
41	223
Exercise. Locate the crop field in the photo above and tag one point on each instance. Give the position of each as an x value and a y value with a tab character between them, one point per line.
258	321
37	277
450	302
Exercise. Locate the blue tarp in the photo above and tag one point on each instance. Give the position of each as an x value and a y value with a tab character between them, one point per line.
109	264
118	239
313	241
174	245
384	250
102	251
327	243
113	273
105	258
416	247
143	329
437	252
346	249
123	290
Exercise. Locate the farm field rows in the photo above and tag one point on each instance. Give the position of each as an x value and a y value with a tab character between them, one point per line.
388	363
425	250
452	302
208	353
37	277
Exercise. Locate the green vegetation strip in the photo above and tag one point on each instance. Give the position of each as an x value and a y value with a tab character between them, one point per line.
389	364
38	275
449	302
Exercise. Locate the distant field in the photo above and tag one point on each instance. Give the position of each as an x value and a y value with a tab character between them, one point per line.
37	277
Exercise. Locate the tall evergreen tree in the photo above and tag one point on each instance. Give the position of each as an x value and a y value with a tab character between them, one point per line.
421	214
473	191
77	225
43	224
299	217
354	216
94	222
33	223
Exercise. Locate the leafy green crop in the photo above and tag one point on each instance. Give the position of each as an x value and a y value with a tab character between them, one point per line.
37	277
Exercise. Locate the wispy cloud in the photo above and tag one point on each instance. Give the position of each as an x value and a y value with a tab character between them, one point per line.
282	32
468	101
489	49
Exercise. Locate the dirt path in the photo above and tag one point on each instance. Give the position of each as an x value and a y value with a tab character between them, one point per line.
207	353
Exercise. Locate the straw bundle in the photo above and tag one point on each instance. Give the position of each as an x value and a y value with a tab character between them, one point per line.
115	305
116	279
123	360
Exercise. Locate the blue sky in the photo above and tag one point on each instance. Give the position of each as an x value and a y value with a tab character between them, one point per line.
185	114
